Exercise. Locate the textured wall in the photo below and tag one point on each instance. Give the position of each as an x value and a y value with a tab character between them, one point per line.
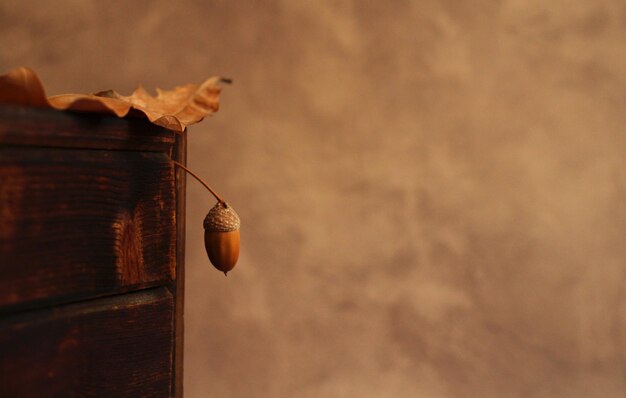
432	192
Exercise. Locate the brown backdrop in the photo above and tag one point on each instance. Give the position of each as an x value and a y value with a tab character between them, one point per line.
432	192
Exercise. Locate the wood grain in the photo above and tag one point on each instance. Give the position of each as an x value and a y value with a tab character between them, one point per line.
51	128
76	224
110	347
180	155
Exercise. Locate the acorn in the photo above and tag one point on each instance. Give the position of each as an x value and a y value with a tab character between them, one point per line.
221	236
221	230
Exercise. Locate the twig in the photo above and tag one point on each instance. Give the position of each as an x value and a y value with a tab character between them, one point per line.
219	199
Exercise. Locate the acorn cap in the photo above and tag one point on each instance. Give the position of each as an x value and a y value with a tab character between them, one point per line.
221	218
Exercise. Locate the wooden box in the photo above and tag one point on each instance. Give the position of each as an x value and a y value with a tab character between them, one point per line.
91	256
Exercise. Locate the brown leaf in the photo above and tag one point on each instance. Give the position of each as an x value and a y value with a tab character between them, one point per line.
21	86
173	109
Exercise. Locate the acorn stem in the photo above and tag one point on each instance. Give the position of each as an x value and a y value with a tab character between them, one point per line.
219	199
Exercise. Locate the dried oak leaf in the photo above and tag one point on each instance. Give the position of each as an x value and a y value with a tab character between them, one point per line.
173	109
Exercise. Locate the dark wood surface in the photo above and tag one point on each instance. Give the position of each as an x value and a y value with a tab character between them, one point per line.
109	347
91	256
82	223
51	128
180	155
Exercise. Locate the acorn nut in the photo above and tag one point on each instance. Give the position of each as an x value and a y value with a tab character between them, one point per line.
221	236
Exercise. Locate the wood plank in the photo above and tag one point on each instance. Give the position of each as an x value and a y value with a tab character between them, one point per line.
180	155
110	347
52	128
76	224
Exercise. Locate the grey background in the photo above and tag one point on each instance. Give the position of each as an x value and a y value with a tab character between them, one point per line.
432	193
